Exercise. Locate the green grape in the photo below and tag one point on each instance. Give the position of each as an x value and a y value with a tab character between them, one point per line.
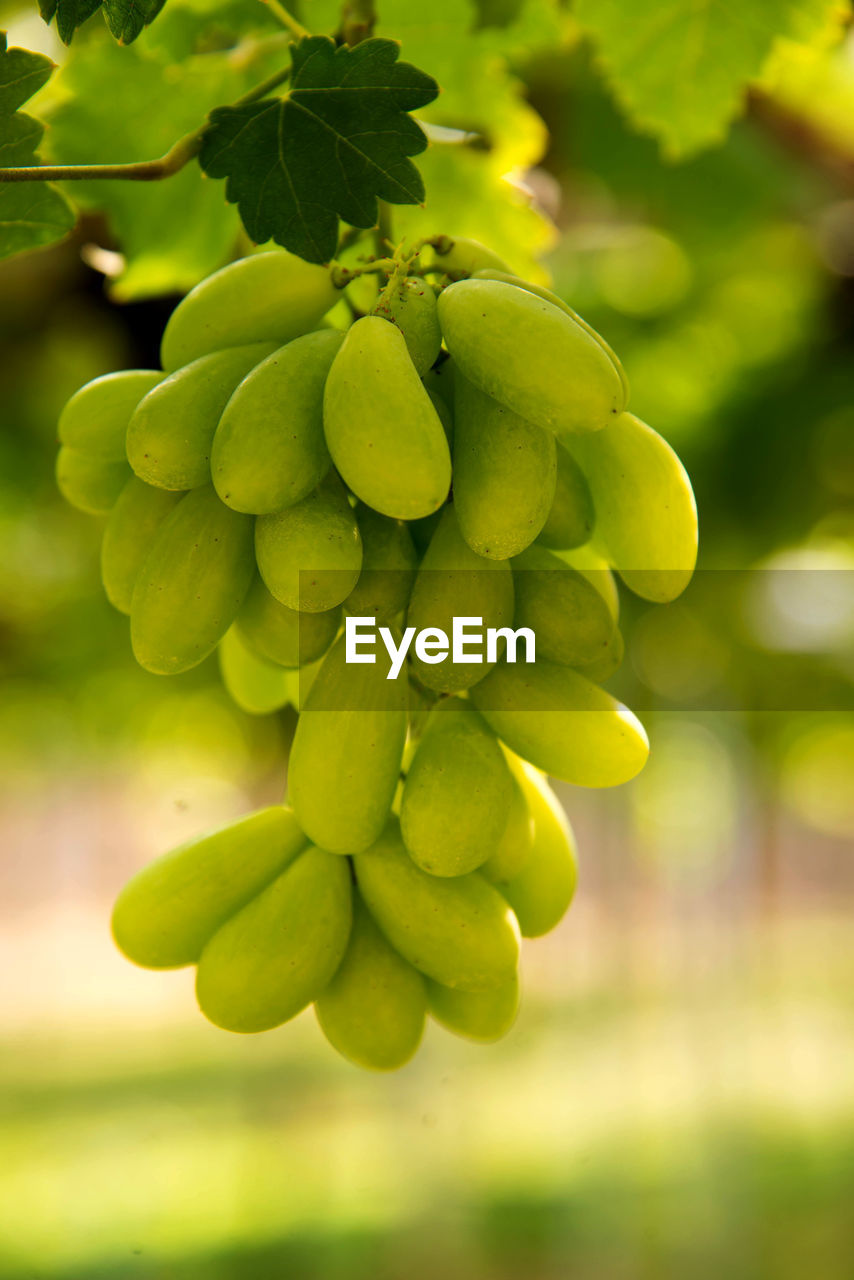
557	301
300	682
282	635
604	666
170	435
457	931
269	450
389	561
504	474
531	356
485	1016
95	419
346	753
410	304
373	1010
454	581
267	297
257	685
597	572
128	534
513	847
457	795
444	414
167	912
562	723
571	620
542	891
276	955
310	554
384	435
646	517
90	483
571	518
191	584
463	257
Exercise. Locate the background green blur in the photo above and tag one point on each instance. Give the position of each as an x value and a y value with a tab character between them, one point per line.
677	1099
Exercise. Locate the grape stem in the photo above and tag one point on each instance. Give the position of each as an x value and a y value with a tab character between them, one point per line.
357	21
178	155
287	19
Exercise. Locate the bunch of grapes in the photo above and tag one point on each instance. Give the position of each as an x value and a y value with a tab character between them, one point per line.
461	450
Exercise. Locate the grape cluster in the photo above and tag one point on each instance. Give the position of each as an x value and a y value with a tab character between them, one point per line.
463	449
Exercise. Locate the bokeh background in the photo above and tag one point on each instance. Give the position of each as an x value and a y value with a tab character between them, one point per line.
677	1098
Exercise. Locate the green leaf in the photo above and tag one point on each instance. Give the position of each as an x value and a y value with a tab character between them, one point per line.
31	213
680	69
125	18
335	143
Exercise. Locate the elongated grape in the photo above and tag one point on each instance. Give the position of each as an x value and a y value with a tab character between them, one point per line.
310	554
457	794
531	356
560	722
556	300
484	1016
571	620
171	433
96	417
191	584
276	955
269	450
598	573
608	662
282	635
254	683
346	753
571	517
504	474
513	847
90	483
389	561
267	297
646	516
410	305
454	582
457	931
374	1008
444	412
541	893
462	257
383	432
128	534
167	912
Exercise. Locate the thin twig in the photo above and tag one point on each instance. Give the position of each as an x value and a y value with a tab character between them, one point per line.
287	19
178	155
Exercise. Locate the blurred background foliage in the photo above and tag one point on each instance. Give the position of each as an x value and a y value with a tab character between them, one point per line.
676	1100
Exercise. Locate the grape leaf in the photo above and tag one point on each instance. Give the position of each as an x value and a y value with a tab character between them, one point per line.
125	18
680	69
31	213
338	140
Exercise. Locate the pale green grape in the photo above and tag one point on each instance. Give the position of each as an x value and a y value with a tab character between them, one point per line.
513	847
457	795
95	419
560	722
278	953
504	474
254	683
269	450
282	635
191	584
389	561
484	1016
410	304
310	554
90	483
571	620
167	912
571	517
346	753
382	430
128	534
458	931
170	435
528	354
374	1008
462	257
267	297
541	893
